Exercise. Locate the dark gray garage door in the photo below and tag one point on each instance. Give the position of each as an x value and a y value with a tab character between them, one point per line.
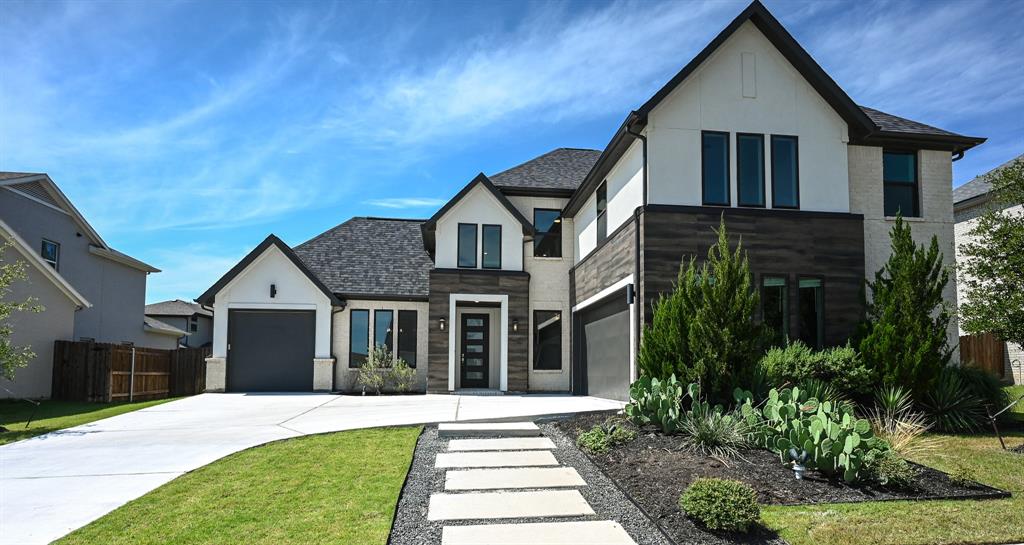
604	347
270	350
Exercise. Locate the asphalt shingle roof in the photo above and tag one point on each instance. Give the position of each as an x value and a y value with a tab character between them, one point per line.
176	307
894	123
13	175
370	257
562	168
161	326
979	185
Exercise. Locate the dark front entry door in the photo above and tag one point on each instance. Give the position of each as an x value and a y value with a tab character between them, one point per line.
476	350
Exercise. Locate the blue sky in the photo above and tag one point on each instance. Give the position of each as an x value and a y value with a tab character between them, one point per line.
186	132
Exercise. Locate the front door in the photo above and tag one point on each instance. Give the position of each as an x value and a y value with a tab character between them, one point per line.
475	350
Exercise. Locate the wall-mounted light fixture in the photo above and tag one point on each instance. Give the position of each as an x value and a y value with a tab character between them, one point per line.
515	325
273	291
441	323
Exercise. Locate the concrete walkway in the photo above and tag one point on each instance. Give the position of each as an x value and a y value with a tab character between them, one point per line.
55	483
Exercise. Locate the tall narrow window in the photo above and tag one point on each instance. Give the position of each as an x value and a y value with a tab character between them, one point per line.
785	172
714	156
775	308
383	329
193	324
548	241
358	337
50	253
407	336
812	312
899	180
547	340
750	169
492	246
467	245
602	212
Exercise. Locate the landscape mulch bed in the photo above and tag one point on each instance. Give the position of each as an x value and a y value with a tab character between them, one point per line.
654	471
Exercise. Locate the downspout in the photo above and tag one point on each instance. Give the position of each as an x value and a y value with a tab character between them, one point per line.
637	296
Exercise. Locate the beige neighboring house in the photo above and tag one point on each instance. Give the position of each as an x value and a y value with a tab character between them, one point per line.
193	321
970	201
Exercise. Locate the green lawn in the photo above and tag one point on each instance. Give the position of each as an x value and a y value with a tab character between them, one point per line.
1017	412
57	415
335	488
923	522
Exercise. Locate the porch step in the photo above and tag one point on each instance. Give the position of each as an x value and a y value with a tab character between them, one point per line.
596	532
446	460
507	443
511	478
488	429
505	505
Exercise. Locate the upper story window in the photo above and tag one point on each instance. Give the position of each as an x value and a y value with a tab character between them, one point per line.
714	155
785	172
548	241
602	212
750	169
899	181
51	253
193	324
492	246
467	245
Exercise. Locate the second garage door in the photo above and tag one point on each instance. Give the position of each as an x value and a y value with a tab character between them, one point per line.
270	350
604	347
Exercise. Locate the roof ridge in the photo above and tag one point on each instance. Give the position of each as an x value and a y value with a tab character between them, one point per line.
380	218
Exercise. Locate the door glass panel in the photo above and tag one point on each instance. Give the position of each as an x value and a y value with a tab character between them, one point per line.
474	322
475	335
474	362
474	375
476	348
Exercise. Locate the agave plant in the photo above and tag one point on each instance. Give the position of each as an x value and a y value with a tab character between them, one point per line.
894	420
952	404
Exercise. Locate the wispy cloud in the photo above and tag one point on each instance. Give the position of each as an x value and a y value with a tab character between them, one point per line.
406	202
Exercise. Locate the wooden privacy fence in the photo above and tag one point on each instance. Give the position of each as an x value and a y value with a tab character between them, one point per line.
104	372
983	350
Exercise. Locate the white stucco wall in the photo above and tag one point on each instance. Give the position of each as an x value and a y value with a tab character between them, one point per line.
479	206
625	193
344	376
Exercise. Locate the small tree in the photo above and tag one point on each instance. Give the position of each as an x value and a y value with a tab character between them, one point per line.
903	336
372	373
402	375
12	357
993	274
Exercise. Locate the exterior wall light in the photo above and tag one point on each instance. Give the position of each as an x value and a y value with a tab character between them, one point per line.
273	291
441	323
515	325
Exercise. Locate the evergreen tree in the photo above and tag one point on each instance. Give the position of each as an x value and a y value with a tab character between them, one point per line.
903	336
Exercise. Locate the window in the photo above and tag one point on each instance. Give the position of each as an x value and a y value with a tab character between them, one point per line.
602	212
750	169
407	336
492	246
775	308
383	331
547	340
51	253
467	245
358	337
785	172
812	312
548	241
193	324
714	156
899	181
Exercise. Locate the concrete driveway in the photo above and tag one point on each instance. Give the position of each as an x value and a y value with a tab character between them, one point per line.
55	483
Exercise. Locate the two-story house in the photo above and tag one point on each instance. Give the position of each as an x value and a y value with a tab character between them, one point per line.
539	278
194	321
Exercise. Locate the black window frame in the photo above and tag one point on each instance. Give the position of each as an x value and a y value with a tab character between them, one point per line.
915	185
796	170
536	341
404	335
728	170
786	307
540	234
356	360
476	246
739	172
602	213
389	345
822	322
42	247
483	248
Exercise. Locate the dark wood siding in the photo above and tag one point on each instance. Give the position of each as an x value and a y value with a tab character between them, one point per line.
515	284
777	242
606	265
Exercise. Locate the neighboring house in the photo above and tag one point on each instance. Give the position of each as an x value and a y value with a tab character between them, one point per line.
539	278
194	321
114	284
970	201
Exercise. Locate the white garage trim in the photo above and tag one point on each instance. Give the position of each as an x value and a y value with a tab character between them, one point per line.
603	294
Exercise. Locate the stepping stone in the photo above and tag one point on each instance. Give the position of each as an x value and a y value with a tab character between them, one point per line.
504	505
488	429
446	460
509	443
520	477
596	532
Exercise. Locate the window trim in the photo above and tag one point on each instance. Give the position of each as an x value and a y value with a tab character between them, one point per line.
788	318
796	171
401	335
55	264
351	329
476	246
536	344
728	171
603	188
536	237
824	322
739	173
916	185
483	229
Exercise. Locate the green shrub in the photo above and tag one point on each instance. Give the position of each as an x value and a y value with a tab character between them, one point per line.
713	432
599	439
963	475
952	404
720	504
841	366
887	468
402	375
655	401
372	374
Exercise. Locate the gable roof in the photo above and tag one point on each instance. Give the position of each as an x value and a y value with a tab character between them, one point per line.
44	268
559	170
482	180
367	258
864	125
979	187
208	297
176	307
